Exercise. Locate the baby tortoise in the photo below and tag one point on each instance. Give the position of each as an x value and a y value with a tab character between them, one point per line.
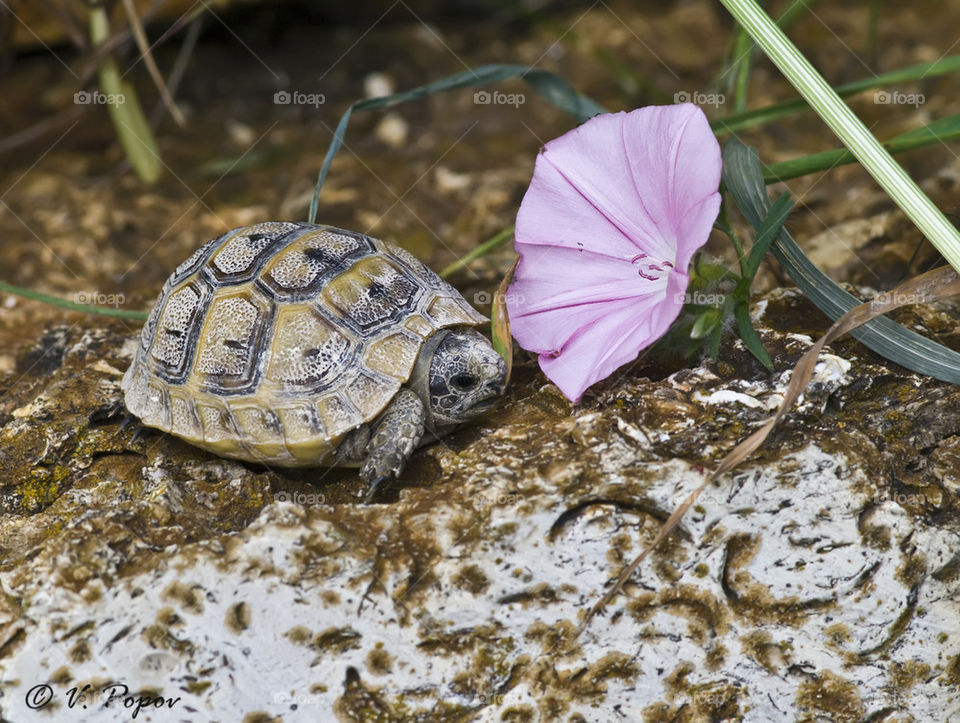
299	345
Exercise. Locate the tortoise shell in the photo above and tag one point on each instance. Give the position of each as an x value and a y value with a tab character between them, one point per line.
273	341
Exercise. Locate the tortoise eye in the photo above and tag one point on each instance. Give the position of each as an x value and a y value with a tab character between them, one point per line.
463	382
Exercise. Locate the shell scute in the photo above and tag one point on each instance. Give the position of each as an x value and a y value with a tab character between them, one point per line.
176	326
195	261
183	415
338	414
370	393
450	311
371	295
219	428
300	269
238	255
228	347
393	354
307	352
301	422
156	407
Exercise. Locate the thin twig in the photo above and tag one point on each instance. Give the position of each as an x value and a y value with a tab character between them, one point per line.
141	38
179	67
41	128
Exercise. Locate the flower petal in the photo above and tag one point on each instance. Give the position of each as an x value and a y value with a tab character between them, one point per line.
555	213
625	328
554	278
614	212
625	183
676	164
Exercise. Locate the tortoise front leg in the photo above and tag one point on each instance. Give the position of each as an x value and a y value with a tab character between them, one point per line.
397	433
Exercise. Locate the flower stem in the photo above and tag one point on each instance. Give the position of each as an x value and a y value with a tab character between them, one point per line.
848	128
723	225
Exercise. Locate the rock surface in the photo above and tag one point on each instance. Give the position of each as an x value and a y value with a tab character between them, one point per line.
819	582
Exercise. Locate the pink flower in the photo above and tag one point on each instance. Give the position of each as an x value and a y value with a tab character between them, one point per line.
606	231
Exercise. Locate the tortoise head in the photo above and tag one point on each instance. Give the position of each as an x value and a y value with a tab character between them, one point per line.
466	377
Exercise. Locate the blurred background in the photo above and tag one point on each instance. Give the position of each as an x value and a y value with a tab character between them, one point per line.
255	90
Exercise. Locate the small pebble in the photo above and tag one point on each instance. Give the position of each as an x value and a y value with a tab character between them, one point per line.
393	130
376	85
449	182
240	133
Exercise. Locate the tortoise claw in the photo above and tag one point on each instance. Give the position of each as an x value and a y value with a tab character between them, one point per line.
379	484
138	434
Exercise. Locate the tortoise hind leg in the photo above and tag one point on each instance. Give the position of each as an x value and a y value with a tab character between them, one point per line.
398	432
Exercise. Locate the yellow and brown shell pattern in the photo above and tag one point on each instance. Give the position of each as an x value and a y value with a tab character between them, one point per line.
273	341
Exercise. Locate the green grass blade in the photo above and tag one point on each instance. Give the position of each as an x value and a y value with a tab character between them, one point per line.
325	168
743	58
486	247
127	116
942	130
849	128
758	116
743	179
72	305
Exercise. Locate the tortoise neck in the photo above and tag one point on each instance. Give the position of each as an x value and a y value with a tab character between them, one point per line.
419	382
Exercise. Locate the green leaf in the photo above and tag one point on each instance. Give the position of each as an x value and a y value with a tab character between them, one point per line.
749	335
551	86
743	178
713	344
766	233
705	323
